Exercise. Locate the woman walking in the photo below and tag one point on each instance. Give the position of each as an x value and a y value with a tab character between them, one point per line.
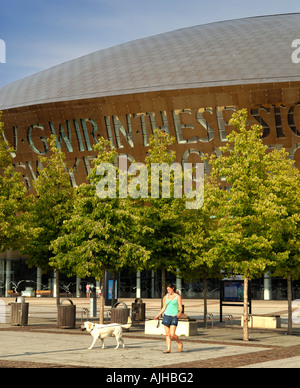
172	307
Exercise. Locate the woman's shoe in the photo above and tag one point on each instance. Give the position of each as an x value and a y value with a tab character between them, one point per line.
180	347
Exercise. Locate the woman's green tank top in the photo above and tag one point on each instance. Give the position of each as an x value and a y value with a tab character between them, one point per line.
172	306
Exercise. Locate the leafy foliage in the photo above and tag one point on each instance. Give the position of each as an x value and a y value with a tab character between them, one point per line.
244	212
162	215
101	233
52	206
13	199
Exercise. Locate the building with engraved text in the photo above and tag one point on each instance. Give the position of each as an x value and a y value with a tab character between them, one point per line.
188	82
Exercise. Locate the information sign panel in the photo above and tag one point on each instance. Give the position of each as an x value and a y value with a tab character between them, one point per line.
233	291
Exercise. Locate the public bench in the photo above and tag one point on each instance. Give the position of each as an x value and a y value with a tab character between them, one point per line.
43	293
12	293
50	293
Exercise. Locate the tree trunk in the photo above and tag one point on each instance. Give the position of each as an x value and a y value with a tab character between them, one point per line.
163	284
57	287
289	296
102	299
205	299
245	311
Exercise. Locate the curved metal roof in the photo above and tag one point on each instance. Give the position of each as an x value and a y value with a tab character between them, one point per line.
242	51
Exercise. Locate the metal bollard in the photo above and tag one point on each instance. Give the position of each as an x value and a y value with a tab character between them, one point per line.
210	317
85	311
229	319
93	307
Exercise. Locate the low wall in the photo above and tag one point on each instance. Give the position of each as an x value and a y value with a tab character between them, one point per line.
263	322
184	328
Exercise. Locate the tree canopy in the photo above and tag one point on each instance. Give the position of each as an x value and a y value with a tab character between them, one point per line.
52	206
13	199
101	233
248	209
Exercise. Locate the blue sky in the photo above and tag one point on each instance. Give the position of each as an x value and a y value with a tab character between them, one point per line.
42	33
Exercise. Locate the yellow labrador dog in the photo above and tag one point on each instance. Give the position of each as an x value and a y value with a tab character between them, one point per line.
103	331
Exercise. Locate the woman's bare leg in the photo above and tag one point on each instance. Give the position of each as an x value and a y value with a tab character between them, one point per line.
168	338
174	336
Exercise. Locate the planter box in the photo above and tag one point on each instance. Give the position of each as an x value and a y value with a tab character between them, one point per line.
262	322
186	328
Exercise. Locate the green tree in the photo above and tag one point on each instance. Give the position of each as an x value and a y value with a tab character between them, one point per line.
102	232
162	215
194	262
13	199
244	212
286	229
52	206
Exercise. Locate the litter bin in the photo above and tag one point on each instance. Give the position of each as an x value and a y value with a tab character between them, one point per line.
19	312
138	310
119	313
66	315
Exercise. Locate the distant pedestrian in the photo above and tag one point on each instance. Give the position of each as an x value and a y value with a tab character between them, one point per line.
88	291
172	309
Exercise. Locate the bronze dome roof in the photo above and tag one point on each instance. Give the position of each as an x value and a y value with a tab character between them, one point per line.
242	51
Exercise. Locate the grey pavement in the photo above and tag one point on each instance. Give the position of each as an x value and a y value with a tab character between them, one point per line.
42	342
72	350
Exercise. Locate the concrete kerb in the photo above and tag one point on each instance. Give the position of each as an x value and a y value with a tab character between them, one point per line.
69	346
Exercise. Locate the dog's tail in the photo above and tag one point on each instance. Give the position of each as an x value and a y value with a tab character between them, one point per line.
128	324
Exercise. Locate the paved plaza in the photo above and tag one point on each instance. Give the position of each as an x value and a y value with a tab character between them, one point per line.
42	344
